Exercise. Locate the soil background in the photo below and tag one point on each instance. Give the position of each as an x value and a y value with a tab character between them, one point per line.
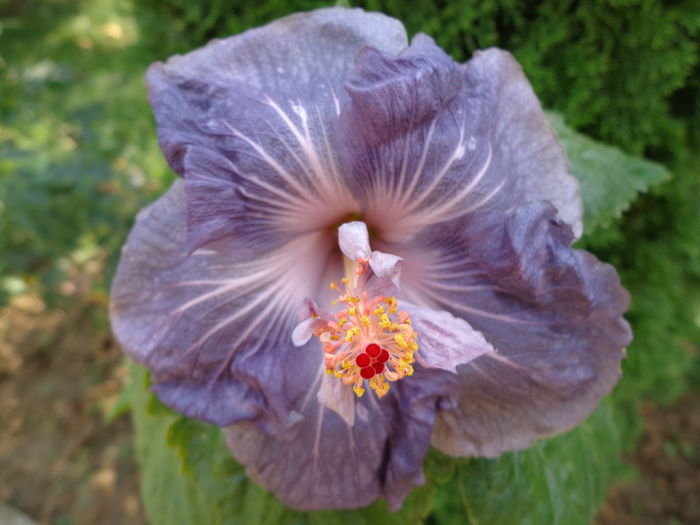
66	459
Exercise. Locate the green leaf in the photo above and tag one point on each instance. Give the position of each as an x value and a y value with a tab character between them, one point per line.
169	496
610	179
558	481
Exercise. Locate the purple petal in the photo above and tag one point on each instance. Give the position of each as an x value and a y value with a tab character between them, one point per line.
553	314
428	140
322	462
214	330
418	398
248	122
445	341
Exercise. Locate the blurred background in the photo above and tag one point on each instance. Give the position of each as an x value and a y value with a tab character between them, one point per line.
79	158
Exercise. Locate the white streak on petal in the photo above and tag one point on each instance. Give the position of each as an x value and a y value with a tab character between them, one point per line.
305	144
331	159
501	358
461	287
442	300
457	154
317	442
336	102
267	158
454	206
312	389
260	299
420	168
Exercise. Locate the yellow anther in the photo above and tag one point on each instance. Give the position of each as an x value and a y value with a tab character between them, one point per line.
334	286
342	321
352	310
329	371
379	310
359	391
380	386
337	373
344	280
365	320
400	341
384	321
346	364
352	332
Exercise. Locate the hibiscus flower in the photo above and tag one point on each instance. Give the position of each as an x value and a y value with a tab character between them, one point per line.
368	252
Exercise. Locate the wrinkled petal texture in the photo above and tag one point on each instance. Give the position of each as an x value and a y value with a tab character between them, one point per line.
213	330
553	315
428	140
211	278
248	122
322	462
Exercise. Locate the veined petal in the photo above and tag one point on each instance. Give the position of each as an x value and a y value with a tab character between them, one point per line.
428	140
336	396
215	331
553	315
323	462
248	121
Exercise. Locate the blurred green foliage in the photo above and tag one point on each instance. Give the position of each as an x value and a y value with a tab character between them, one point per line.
78	152
79	156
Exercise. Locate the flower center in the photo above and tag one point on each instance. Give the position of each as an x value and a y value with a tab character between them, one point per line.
368	340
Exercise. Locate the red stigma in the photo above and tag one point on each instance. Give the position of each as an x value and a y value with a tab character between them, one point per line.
367	372
373	349
378	367
362	360
383	356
